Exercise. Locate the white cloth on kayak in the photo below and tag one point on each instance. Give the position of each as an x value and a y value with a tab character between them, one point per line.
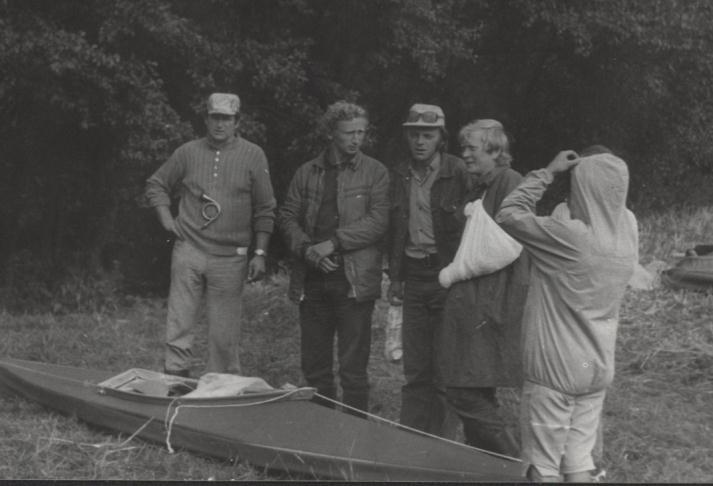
484	248
580	268
227	385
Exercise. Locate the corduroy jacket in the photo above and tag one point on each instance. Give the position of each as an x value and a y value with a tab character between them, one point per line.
363	208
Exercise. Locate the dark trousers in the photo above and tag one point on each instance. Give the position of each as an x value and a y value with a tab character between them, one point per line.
326	311
483	426
422	397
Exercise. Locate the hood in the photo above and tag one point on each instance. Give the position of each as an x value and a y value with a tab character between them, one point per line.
600	184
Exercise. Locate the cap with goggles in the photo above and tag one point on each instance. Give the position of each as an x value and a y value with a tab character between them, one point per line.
429	116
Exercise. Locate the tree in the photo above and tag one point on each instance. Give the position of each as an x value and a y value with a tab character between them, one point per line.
97	93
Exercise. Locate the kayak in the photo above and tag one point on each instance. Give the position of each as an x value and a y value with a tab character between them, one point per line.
693	272
275	429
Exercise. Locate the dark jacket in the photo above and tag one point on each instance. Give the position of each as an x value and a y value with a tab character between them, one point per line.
478	341
363	207
448	195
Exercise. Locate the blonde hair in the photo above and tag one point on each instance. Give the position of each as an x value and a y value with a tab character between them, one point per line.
342	110
493	138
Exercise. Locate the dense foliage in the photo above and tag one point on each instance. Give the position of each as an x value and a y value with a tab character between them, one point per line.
95	94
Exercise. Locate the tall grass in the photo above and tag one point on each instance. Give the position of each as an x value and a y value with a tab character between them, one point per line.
663	235
658	414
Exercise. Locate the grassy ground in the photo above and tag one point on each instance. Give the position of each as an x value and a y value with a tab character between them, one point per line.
658	414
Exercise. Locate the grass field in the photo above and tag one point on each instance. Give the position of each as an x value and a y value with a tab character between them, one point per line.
658	413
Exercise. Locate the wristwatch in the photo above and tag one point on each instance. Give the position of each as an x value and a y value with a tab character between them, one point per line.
260	252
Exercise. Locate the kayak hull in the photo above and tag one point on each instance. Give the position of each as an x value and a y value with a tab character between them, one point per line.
691	272
273	431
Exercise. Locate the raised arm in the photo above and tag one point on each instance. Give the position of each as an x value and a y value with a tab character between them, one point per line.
545	237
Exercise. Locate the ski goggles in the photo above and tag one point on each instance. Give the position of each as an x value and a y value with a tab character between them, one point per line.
424	116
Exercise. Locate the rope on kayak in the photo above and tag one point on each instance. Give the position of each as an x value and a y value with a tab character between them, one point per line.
406	427
168	422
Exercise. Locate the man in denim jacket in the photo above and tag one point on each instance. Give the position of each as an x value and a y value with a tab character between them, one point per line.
427	193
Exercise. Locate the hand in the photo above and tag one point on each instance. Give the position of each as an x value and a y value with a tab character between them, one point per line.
395	294
564	161
327	265
316	253
256	268
166	219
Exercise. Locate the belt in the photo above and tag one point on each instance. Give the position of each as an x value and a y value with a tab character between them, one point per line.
431	260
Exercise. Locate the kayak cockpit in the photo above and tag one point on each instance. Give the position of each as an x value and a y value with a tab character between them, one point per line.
142	384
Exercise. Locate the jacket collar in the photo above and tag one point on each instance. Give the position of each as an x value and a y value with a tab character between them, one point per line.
324	158
447	169
490	177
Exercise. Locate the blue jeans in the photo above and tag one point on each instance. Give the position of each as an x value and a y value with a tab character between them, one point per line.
422	397
326	311
220	278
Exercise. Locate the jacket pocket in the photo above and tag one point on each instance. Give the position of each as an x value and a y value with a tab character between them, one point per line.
355	205
448	214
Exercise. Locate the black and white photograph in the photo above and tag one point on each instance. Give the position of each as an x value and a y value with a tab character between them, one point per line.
356	240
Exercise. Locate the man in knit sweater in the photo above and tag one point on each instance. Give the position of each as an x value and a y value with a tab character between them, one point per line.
226	204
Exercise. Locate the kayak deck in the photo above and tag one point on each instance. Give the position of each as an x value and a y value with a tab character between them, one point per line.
280	429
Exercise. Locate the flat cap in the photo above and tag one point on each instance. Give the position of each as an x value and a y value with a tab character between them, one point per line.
223	104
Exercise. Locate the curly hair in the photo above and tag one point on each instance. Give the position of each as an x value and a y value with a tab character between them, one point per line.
342	110
493	137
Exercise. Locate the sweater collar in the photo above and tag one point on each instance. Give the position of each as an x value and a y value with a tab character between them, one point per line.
230	144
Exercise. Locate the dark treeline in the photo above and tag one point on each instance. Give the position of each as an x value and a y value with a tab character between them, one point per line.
95	94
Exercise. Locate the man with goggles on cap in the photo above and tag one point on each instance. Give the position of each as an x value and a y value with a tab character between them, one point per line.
226	205
428	189
333	219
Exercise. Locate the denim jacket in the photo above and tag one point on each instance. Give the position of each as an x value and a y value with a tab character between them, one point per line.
448	196
363	207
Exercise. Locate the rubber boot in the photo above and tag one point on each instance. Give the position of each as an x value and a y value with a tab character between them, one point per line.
490	437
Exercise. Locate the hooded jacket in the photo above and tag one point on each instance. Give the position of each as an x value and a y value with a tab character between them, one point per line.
580	268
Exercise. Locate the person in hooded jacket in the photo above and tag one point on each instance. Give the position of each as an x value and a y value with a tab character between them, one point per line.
580	269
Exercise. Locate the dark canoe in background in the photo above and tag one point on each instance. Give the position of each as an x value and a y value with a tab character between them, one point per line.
272	430
693	272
